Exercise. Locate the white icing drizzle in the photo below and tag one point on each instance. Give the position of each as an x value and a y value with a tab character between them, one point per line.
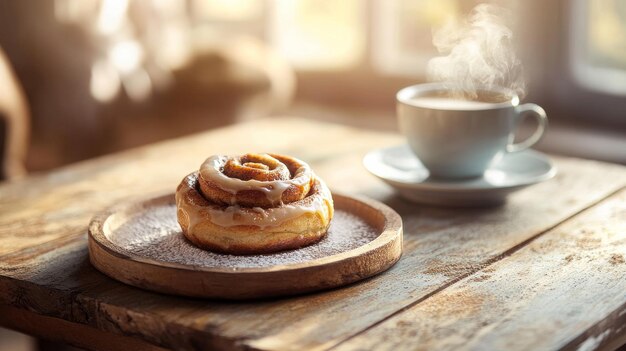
211	169
317	202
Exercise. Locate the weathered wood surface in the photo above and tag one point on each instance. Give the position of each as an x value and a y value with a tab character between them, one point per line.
75	334
564	290
44	265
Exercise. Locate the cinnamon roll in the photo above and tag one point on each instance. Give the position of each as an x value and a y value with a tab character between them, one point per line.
255	203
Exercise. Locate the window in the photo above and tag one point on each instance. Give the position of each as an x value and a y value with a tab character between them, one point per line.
598	45
402	41
319	34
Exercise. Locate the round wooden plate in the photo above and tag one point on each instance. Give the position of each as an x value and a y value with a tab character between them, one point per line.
142	245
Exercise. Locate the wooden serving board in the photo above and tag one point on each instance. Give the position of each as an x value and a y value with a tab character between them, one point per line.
141	244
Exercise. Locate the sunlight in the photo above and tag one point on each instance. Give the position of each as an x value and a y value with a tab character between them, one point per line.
319	34
104	84
126	55
112	15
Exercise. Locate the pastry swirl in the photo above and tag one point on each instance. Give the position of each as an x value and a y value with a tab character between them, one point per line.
255	180
255	203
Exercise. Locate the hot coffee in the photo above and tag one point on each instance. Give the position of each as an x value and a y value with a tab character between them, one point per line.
453	100
458	136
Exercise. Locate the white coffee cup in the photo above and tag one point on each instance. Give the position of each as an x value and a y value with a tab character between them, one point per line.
461	138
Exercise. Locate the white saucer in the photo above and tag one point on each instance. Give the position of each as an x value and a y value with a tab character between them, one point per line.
399	167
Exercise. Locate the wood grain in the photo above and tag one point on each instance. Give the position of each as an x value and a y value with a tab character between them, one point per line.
565	290
75	334
224	282
44	264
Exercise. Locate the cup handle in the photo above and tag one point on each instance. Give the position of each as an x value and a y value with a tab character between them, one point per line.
542	120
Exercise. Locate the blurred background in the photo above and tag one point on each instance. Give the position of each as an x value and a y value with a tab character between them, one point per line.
79	79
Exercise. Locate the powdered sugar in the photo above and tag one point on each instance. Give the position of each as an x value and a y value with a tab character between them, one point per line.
155	234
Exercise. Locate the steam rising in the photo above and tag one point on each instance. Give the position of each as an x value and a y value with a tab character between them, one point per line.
479	53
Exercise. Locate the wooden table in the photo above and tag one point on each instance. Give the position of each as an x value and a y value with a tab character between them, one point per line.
545	271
